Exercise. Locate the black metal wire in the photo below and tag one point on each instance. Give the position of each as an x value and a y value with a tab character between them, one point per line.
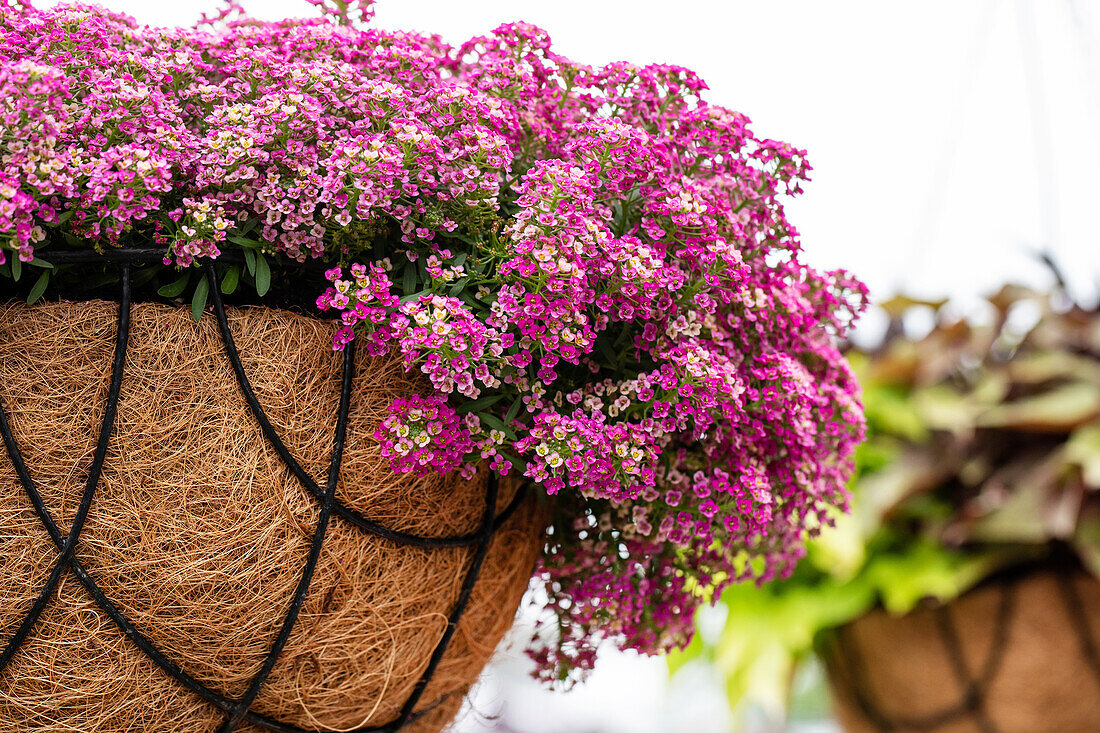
854	671
1076	611
144	255
68	547
238	711
314	549
973	696
292	463
460	605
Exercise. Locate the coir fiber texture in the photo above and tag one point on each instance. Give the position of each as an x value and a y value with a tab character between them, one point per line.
198	532
1015	656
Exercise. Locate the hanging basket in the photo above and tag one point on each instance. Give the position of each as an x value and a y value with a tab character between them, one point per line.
1018	655
200	534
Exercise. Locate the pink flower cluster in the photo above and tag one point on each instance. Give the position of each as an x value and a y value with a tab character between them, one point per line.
598	459
592	266
422	435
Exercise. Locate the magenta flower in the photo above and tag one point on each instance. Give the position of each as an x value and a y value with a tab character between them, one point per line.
592	268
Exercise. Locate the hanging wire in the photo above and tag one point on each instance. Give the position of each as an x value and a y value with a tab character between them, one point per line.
239	710
949	148
1040	126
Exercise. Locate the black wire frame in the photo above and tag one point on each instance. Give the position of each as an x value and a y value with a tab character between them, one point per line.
851	668
239	710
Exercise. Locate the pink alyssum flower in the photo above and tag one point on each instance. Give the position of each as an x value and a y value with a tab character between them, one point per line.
591	267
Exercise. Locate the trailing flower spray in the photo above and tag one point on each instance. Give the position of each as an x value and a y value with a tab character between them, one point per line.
592	268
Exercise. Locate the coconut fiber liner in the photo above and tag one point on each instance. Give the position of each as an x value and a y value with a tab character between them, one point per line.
1018	655
198	533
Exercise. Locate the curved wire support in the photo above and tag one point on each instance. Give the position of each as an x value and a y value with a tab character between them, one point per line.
238	711
972	703
1075	609
292	464
314	549
67	547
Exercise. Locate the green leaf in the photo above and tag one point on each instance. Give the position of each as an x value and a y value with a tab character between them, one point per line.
40	263
769	629
494	422
926	570
1060	409
413	296
463	238
229	282
480	404
677	658
263	276
250	261
467	297
458	287
913	471
889	410
198	302
39	288
518	464
840	550
16	268
607	351
246	243
408	280
173	290
1086	541
144	275
1083	449
513	411
624	334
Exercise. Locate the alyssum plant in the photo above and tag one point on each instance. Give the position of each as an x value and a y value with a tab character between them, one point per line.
591	266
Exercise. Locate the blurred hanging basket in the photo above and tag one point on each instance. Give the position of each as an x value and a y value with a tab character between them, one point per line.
200	532
1018	654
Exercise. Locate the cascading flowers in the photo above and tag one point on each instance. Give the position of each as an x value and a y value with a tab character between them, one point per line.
591	266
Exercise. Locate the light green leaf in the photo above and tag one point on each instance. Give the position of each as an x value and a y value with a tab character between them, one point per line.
927	570
1083	449
1086	542
677	658
889	410
1038	508
1058	410
913	471
942	408
839	550
1044	366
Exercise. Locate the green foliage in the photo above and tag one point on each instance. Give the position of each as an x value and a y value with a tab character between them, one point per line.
983	448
